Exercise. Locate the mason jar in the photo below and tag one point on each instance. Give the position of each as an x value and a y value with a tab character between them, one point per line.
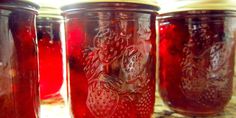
50	32
19	95
196	56
111	55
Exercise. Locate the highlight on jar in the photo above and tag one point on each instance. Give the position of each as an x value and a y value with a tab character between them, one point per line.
111	52
19	87
51	45
197	56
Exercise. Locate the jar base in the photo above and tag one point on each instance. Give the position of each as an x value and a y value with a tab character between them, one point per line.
53	99
196	114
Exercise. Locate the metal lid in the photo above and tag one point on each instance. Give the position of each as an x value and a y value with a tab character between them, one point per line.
49	11
30	1
188	5
145	2
20	4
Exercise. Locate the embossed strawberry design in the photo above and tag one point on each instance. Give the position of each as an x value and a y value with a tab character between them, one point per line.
110	44
117	78
208	61
125	109
145	103
132	62
102	101
210	96
92	65
132	65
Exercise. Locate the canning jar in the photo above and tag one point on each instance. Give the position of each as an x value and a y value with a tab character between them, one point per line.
50	40
196	56
19	96
111	58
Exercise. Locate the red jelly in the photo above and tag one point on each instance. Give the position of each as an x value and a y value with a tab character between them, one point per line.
19	96
111	56
49	23
196	56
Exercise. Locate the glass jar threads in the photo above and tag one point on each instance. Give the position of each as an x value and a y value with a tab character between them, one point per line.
50	39
196	52
111	52
19	96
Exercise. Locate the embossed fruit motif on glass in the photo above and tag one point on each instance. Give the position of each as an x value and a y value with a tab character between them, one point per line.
50	56
196	56
19	95
111	56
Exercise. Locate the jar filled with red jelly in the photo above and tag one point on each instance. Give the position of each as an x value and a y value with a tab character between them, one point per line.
196	56
19	92
111	55
50	44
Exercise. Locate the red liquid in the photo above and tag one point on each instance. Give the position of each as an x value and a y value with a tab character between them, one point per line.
50	58
112	66
196	63
19	66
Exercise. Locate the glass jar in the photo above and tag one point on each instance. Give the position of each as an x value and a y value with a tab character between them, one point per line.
19	96
49	26
196	56
111	57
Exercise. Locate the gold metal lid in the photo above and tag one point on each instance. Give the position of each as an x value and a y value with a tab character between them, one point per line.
188	5
146	2
49	11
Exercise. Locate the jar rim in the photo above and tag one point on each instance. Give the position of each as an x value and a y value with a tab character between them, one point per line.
21	4
144	2
104	6
198	5
197	13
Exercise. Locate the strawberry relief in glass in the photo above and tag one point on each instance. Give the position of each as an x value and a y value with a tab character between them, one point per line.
111	52
196	56
19	87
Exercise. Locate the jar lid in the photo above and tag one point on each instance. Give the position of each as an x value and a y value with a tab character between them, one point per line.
20	4
188	5
30	2
145	2
49	11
